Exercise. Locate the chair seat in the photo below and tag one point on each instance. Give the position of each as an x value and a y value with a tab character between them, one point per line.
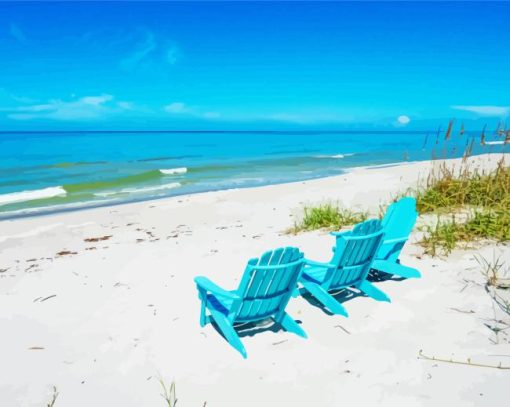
316	274
220	304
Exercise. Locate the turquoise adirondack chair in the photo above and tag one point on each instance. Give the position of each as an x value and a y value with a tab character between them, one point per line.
398	223
264	291
349	267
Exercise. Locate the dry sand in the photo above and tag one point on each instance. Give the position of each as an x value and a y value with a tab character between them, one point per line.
105	318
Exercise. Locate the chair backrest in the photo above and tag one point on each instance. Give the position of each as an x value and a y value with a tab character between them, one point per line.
398	223
268	283
399	220
354	253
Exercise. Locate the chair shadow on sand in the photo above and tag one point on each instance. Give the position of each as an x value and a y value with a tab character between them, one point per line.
348	294
253	328
342	296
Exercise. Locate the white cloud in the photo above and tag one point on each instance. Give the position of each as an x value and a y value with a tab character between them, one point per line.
151	51
403	119
211	115
142	51
176	108
126	105
17	34
172	54
96	100
85	108
179	108
486	110
309	117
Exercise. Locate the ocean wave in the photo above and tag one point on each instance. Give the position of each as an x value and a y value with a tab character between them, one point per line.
167	158
23	196
335	155
68	164
495	143
114	183
106	194
139	190
153	188
61	165
174	171
54	208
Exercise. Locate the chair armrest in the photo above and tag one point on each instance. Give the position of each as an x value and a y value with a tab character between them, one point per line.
205	284
345	232
397	240
318	264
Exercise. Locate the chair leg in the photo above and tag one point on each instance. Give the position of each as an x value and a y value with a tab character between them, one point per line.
373	292
203	317
290	325
295	292
396	269
325	298
228	331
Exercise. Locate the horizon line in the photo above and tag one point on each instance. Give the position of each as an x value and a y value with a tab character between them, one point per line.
220	131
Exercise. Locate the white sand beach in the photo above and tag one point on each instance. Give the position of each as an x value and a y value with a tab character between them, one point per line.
100	303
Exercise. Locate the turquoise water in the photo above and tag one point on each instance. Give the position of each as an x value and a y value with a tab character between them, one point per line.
42	172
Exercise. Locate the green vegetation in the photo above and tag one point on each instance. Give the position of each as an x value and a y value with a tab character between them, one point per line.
470	203
485	197
168	393
327	216
447	190
497	276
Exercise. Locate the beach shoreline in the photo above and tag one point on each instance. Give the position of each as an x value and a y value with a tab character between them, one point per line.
137	167
100	302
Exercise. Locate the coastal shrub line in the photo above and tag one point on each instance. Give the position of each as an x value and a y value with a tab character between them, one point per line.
483	196
470	205
447	189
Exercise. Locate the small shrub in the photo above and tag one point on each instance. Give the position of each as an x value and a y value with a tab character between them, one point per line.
327	216
446	190
446	235
491	269
485	194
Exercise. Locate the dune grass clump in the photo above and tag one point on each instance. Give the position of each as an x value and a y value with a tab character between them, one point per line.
447	235
484	195
327	216
447	189
497	276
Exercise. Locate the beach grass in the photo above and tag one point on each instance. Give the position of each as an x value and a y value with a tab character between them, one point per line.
53	397
470	205
327	216
169	394
497	276
447	189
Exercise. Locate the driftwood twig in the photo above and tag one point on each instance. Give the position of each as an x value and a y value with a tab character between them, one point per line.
421	355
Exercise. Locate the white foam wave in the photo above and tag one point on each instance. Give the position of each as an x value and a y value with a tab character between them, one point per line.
139	190
151	189
30	233
174	171
336	155
53	208
492	143
23	196
105	194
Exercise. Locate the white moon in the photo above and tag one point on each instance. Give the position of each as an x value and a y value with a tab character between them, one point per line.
403	119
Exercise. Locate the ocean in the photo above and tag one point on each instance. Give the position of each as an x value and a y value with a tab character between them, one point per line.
47	172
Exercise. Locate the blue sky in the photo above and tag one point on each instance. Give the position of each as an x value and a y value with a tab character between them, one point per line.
256	65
